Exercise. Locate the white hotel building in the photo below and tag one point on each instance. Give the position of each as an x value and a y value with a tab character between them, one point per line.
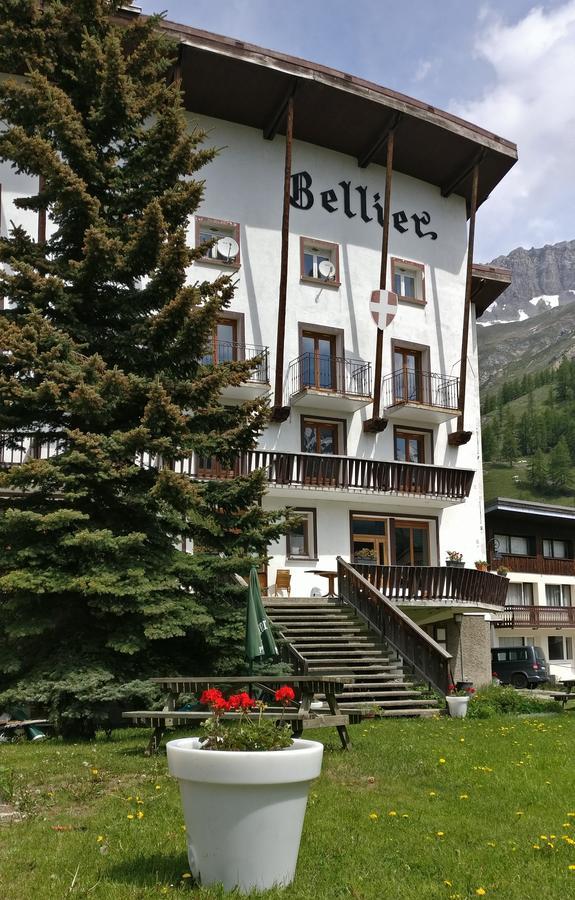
327	188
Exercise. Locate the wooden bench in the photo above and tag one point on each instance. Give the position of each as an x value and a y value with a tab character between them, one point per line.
300	715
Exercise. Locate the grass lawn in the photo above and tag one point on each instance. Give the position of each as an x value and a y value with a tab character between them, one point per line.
499	481
420	809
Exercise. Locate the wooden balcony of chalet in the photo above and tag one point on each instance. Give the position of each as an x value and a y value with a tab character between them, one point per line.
533	565
436	585
537	617
436	484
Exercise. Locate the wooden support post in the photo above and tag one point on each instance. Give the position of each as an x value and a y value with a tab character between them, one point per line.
461	436
280	412
376	423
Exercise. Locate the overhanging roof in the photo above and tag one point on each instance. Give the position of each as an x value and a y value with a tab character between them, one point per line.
244	83
530	508
487	284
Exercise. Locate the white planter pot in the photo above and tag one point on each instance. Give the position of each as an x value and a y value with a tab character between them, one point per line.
457	706
244	811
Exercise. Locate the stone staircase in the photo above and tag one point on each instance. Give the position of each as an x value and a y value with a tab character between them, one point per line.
333	640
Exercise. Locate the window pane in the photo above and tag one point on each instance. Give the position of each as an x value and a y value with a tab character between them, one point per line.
308	267
420	557
559	549
514	595
553	594
501	543
415	445
555	647
403	546
400	448
368	526
519	546
327	439
547	548
310	439
528	594
300	538
397	283
408	286
566	595
568	648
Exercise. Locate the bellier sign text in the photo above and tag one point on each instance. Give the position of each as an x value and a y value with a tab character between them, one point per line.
355	201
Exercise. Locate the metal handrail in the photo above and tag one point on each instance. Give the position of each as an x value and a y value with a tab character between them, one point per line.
323	372
413	645
232	351
427	388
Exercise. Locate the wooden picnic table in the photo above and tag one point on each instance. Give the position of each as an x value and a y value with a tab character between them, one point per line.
300	714
568	693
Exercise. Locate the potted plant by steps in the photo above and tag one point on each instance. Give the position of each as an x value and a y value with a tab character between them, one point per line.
244	789
503	571
482	565
458	700
454	559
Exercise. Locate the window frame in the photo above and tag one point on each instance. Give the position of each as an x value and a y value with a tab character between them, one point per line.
522	585
566	648
419	271
340	426
231	228
531	545
310	533
317	244
425	434
552	541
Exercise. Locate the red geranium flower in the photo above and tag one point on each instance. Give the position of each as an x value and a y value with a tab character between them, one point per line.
241	701
211	697
284	694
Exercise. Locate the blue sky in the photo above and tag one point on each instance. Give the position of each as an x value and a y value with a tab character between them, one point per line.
506	64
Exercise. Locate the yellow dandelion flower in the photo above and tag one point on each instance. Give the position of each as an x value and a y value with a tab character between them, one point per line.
536	847
373	816
186	875
94	771
571	815
130	816
392	812
158	787
433	794
404	816
442	761
480	891
519	812
100	838
571	868
440	833
183	827
463	797
448	883
140	814
542	837
491	844
566	825
461	740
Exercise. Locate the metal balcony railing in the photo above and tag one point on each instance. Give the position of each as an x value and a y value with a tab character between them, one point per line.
426	388
231	351
351	377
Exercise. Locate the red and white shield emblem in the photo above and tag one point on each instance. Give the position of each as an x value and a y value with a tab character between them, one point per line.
383	307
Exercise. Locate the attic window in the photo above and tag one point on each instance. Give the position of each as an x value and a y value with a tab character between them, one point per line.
225	237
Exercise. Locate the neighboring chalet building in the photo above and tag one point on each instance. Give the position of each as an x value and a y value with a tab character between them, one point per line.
339	205
535	541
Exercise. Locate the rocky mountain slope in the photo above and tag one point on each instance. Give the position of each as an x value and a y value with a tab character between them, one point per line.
543	279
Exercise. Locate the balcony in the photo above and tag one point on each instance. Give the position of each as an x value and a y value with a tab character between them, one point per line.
329	382
436	585
533	565
258	382
537	617
347	474
409	395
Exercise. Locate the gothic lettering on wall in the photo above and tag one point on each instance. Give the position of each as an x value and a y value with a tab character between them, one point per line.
354	201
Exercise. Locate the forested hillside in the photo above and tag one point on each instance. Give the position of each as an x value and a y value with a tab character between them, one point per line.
529	436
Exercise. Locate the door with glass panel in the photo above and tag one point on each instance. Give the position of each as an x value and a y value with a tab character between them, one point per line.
318	361
369	540
320	437
407	376
411	543
223	346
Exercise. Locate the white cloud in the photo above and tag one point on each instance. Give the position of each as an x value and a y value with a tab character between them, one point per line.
531	100
424	67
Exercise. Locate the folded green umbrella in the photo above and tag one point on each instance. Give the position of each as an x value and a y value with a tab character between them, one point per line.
259	638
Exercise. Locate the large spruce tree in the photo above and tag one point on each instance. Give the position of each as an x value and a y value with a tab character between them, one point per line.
101	344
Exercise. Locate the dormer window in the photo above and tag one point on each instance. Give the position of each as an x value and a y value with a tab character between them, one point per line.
225	238
319	262
408	279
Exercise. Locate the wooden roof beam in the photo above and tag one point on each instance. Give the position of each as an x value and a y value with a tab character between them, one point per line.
449	187
364	159
271	129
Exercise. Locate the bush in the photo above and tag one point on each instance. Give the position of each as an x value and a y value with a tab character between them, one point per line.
501	699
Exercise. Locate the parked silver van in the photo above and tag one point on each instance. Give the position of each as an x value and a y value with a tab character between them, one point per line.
519	666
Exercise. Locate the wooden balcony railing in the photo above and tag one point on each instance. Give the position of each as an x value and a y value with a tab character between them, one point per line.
416	648
348	473
289	469
429	388
351	377
537	617
407	583
534	565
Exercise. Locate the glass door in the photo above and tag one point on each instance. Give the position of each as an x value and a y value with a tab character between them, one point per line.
369	540
407	376
318	361
411	543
